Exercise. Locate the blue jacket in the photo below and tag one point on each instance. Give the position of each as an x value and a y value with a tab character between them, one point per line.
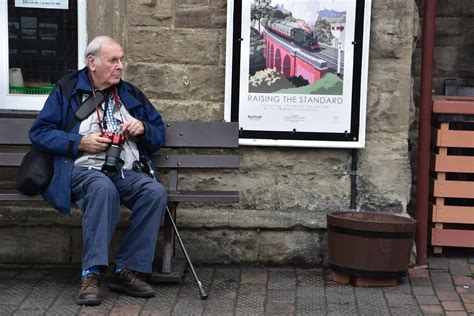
47	133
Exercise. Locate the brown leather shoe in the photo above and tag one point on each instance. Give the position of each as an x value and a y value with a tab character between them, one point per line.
127	281
89	293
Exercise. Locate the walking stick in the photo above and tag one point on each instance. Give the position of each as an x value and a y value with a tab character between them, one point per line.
202	290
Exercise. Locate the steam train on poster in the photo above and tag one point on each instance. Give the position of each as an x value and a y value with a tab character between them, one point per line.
295	33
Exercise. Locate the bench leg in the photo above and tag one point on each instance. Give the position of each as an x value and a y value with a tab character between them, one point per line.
169	246
172	269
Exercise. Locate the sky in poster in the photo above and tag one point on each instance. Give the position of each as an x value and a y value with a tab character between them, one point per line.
306	10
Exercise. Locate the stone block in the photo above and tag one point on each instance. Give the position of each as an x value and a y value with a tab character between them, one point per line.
128	309
467	298
219	215
398	6
209	180
438	89
296	160
259	190
449	8
449	62
151	13
439	264
179	82
452	306
453	62
274	219
454	32
174	46
280	307
38	213
107	18
459	267
291	247
190	110
220	245
389	98
422	290
393	30
418	273
254	276
463	280
201	14
427	299
291	179
432	309
203	217
308	192
45	244
385	45
384	175
388	112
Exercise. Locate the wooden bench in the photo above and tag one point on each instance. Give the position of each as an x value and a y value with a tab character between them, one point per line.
184	150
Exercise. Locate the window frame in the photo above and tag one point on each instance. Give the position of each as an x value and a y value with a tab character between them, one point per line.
33	102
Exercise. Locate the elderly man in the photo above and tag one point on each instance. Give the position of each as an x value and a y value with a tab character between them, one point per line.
97	165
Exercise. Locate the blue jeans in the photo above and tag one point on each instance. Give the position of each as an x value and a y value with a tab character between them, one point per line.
99	197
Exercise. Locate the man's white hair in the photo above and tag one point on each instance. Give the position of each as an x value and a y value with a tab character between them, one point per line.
94	47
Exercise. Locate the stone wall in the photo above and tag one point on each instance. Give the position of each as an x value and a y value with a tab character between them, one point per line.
454	44
176	53
453	59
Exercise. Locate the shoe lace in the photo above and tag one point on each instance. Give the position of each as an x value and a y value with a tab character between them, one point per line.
130	275
90	281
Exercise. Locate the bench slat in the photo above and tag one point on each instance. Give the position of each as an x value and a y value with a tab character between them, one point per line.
15	131
203	196
202	134
175	196
11	159
14	195
197	161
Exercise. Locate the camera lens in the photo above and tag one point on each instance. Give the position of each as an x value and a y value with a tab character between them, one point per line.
113	162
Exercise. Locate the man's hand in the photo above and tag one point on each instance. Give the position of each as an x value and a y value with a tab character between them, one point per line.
133	127
94	143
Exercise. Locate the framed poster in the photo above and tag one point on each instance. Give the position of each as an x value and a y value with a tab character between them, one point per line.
296	71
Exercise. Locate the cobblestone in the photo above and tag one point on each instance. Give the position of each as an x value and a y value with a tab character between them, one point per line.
442	289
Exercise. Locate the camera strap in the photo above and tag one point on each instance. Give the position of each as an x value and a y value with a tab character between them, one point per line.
89	105
109	123
85	109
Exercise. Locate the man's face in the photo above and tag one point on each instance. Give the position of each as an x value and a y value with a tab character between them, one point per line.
106	68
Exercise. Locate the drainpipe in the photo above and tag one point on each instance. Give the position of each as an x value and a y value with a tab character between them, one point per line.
353	173
424	131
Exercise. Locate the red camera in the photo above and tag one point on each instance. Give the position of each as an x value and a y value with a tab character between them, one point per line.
117	139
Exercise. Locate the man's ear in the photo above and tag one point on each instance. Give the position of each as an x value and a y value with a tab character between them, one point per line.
91	62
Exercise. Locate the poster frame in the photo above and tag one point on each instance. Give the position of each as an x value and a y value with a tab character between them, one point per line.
353	137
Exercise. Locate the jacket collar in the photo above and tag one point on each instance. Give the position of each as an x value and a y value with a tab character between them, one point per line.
83	82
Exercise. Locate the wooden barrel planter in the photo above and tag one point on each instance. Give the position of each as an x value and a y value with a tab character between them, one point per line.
369	246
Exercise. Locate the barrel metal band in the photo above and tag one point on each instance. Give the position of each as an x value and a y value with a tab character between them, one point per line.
367	273
371	234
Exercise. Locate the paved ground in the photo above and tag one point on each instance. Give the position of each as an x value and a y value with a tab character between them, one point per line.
447	288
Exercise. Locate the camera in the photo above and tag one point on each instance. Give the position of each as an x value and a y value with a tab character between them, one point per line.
113	163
